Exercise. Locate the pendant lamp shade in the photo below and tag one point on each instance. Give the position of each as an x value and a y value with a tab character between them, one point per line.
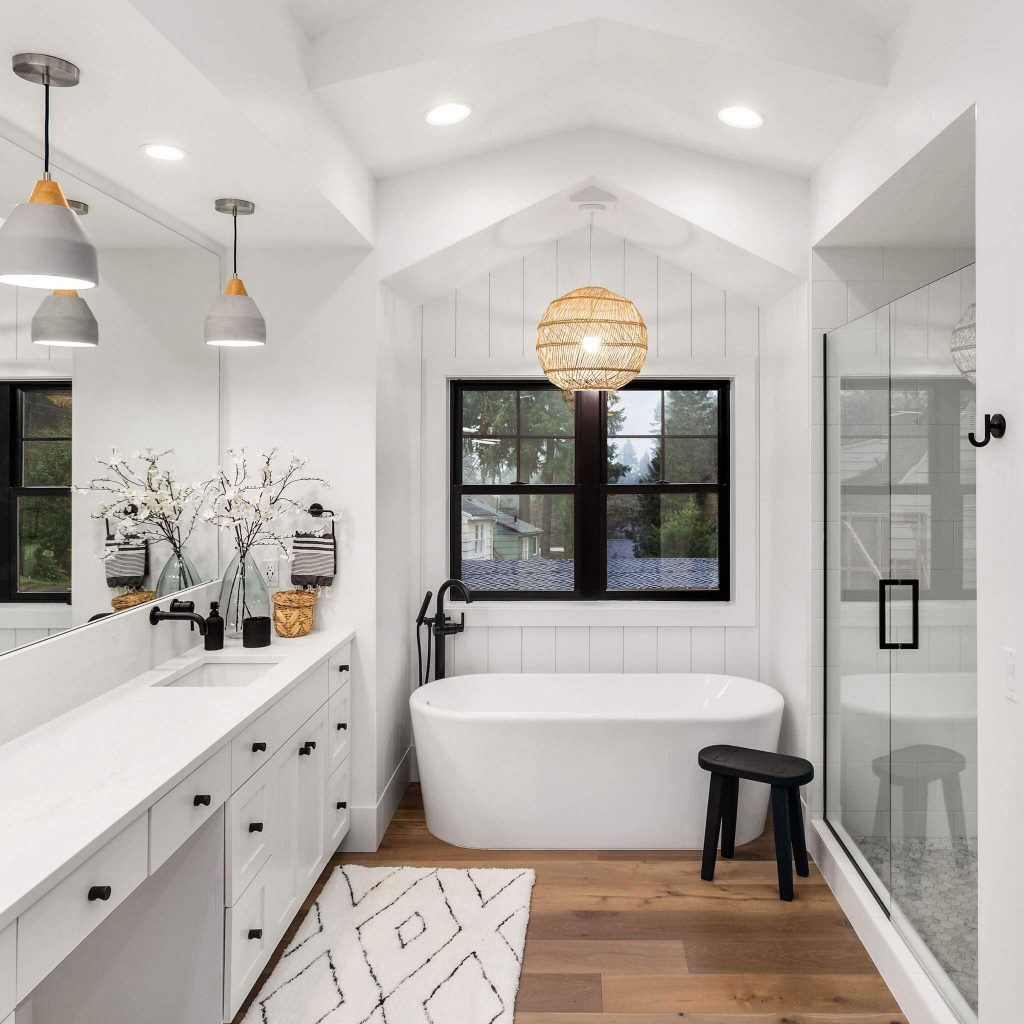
42	244
65	320
234	319
591	339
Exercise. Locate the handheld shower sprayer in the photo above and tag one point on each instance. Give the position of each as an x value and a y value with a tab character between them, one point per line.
440	625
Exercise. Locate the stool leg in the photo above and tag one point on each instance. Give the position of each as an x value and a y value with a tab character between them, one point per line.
707	866
730	800
796	832
783	856
954	799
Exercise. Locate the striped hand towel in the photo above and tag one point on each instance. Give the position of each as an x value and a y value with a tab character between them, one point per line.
126	562
314	560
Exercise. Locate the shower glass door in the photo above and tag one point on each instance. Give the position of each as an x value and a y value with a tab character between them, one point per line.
901	782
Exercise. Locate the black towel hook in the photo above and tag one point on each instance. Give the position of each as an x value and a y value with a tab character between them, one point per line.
995	426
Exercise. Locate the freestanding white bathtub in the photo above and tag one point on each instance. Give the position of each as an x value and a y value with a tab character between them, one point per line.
572	762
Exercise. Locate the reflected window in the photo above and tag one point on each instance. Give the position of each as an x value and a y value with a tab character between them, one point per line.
35	476
609	495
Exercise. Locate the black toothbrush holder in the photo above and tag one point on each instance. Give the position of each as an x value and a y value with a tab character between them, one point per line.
256	631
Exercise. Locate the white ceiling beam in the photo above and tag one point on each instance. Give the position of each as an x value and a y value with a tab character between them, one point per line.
798	32
256	59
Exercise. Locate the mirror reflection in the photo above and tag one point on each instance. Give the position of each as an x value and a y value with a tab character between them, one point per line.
109	421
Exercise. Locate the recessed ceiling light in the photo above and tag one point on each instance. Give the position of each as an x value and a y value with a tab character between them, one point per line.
445	114
740	117
163	151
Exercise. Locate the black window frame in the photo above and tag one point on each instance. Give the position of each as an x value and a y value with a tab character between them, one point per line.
12	488
590	489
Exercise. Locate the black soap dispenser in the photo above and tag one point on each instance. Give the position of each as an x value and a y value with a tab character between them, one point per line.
214	629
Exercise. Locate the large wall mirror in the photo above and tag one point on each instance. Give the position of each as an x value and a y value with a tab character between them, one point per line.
150	386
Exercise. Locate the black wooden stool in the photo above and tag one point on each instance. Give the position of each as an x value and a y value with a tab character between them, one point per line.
785	774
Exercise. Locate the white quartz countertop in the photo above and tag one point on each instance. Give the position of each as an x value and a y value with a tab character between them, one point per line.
71	785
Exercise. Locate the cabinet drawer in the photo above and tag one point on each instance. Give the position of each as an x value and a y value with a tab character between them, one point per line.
339	726
340	668
251	822
176	815
336	808
257	744
248	942
8	961
52	927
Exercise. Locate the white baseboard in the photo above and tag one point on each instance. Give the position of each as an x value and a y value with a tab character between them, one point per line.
919	997
371	822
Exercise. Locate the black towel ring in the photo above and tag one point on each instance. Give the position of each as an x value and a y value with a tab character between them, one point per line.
317	511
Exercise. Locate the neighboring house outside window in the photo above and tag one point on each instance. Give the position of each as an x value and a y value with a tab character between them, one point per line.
35	488
620	495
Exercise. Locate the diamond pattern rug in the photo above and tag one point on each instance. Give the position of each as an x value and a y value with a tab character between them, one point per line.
404	946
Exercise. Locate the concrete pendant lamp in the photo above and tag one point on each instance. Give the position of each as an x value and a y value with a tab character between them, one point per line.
64	319
42	244
234	319
591	339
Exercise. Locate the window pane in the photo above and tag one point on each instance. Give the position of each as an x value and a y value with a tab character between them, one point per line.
488	461
634	412
548	461
46	464
691	461
46	413
488	412
691	412
663	542
634	460
44	544
517	542
545	413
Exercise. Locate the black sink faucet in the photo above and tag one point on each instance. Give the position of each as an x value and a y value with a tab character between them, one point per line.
443	626
181	611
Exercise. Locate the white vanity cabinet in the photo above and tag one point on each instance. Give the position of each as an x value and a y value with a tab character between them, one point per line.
8	960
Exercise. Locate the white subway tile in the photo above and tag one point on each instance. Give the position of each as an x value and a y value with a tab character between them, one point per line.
846	263
917	264
867	296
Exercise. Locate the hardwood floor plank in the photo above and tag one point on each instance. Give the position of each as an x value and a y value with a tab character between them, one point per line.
597	956
580	993
795	954
735	993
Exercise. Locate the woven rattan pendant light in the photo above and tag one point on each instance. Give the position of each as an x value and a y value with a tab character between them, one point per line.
591	339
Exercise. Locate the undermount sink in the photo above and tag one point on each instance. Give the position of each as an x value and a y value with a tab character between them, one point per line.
221	673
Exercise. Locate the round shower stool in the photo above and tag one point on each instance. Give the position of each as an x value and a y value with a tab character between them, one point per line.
785	774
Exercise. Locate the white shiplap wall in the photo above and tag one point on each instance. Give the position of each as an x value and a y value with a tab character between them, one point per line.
494	318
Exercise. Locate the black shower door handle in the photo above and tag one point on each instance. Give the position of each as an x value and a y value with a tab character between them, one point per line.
883	629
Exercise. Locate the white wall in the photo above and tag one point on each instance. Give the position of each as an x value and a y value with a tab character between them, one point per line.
951	54
488	327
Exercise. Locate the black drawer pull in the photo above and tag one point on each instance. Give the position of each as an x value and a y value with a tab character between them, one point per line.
255	826
257	747
99	892
342	804
343	668
201	800
304	751
255	933
342	725
311	744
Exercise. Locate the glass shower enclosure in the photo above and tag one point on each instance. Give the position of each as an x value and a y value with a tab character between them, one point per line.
900	622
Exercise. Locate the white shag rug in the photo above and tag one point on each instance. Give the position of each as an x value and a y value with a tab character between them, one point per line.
404	946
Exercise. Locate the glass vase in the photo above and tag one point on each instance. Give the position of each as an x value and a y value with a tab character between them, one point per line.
243	595
178	574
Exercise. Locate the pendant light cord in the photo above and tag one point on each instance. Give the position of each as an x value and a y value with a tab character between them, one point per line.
234	247
46	128
591	248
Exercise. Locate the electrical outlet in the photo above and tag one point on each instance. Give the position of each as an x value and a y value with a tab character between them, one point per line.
269	567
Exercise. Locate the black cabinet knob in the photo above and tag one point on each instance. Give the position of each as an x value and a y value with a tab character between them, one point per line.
343	668
99	892
201	800
311	744
255	933
305	751
342	725
342	804
255	826
257	747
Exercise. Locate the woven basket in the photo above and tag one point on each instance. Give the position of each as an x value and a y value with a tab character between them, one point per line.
131	599
293	612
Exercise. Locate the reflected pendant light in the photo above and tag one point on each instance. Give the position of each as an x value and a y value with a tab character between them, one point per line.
591	339
64	319
42	244
234	319
964	344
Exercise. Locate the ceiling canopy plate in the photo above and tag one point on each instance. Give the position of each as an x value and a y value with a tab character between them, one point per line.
42	69
241	207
